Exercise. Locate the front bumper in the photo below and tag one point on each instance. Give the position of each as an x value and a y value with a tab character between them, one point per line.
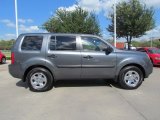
156	62
148	68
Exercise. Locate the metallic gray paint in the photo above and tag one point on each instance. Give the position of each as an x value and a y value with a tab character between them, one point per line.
76	64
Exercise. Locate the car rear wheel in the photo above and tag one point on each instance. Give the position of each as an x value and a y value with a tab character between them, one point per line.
3	61
39	80
130	77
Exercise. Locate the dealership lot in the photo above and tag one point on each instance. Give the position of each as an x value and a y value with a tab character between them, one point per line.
79	100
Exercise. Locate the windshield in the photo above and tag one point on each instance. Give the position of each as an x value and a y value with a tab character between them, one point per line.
154	51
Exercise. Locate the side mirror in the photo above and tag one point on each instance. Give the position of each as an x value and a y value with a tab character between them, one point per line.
108	50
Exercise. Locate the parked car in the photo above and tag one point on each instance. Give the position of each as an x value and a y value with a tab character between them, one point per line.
153	53
43	58
2	58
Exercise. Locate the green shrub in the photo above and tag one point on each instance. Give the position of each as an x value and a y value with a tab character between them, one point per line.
8	57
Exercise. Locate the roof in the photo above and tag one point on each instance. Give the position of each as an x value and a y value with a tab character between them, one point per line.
58	34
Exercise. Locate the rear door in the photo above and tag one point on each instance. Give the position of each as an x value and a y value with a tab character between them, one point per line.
96	63
64	54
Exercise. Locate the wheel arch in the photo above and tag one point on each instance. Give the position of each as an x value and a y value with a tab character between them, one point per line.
35	66
127	65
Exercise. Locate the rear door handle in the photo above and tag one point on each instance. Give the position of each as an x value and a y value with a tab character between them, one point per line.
52	56
88	57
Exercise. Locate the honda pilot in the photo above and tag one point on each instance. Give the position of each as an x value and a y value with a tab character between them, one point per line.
40	59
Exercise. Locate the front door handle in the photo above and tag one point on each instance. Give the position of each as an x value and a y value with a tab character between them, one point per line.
88	57
52	56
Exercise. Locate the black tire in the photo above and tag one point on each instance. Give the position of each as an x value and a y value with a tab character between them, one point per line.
3	61
124	73
48	84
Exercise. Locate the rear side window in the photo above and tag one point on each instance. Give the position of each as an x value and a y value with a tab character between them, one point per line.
32	43
63	43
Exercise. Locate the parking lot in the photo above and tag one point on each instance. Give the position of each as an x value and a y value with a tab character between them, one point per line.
79	100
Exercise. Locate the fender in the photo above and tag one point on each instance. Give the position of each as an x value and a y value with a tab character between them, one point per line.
130	61
42	62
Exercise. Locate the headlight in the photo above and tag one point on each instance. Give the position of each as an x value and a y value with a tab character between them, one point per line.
157	58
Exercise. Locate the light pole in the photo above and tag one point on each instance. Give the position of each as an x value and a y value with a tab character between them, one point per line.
16	17
115	23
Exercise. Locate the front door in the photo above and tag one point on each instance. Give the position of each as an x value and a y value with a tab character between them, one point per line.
64	55
96	63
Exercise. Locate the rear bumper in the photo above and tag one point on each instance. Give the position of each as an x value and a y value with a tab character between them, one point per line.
15	71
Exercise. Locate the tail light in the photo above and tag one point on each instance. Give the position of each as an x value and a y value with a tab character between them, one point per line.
12	58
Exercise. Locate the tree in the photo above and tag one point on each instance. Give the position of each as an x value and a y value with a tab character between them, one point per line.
133	20
6	44
76	21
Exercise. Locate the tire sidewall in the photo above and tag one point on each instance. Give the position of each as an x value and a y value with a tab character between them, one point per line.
124	71
3	60
48	75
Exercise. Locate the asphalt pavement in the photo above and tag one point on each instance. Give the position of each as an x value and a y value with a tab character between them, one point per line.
79	100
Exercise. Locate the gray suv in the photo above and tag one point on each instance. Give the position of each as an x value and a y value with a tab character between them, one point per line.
40	59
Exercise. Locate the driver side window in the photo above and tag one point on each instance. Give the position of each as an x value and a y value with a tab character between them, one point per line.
93	44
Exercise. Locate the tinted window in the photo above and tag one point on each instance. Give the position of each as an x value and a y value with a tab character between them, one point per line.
65	43
154	51
32	43
93	44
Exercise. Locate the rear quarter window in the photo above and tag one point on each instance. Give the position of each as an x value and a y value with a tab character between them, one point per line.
32	43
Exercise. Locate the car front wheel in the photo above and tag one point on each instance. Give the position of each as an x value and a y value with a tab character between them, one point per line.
39	80
130	77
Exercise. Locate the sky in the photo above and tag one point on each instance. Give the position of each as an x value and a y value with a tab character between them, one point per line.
33	13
